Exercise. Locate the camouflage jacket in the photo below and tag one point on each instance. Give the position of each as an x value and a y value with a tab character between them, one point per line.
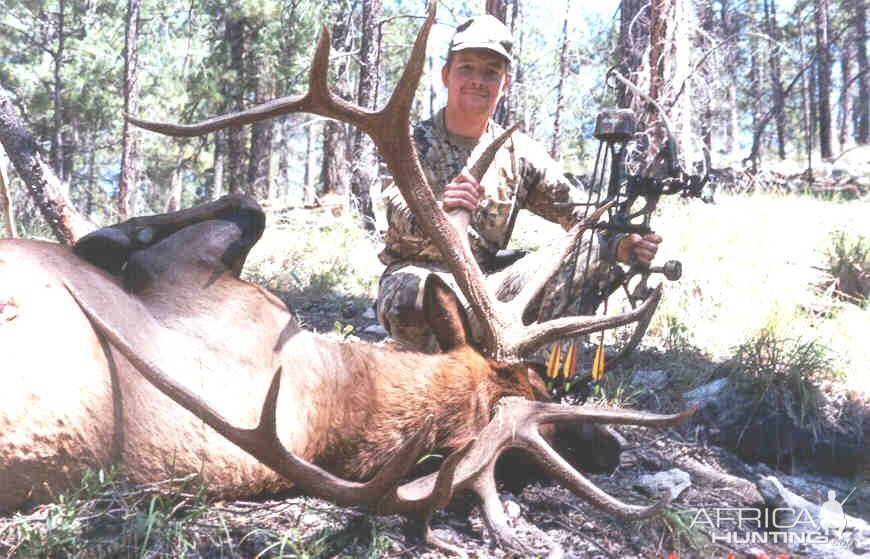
523	175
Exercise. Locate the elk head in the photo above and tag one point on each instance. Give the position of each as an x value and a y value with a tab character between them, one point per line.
517	420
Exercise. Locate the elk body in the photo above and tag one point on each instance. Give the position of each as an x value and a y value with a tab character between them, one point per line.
71	401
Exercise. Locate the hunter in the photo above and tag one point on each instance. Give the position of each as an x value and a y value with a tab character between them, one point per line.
523	175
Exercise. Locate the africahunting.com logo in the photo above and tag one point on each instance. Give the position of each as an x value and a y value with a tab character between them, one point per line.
776	526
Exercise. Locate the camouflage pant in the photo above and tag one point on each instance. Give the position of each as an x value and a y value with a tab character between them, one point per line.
573	290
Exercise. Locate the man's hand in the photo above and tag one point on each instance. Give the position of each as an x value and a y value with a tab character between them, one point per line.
636	249
463	192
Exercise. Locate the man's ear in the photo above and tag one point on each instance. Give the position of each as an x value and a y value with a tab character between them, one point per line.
444	314
507	81
444	71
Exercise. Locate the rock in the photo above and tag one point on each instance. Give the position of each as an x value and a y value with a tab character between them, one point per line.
675	480
375	330
746	491
708	394
369	314
512	509
650	380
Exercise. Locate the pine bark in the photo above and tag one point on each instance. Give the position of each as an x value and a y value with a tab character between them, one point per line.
732	121
845	132
365	161
335	171
129	152
57	132
259	167
862	132
806	100
823	79
216	188
774	55
234	92
42	183
309	189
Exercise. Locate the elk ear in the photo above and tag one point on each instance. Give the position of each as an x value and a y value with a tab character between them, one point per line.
444	313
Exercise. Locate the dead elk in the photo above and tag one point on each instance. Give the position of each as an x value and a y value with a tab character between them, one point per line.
76	396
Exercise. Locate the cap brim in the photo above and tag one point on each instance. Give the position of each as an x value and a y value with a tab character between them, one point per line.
469	45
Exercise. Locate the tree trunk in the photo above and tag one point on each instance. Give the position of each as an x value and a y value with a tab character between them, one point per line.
862	134
259	167
845	128
220	150
632	38
309	189
6	209
57	133
283	181
774	55
365	161
129	152
823	79
732	121
43	185
806	99
682	108
497	8
87	205
176	184
235	163
560	97
335	173
658	24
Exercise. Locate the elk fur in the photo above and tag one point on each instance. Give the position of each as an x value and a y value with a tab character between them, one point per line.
72	402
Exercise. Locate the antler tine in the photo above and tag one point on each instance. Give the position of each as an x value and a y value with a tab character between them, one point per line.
515	424
577	483
479	167
262	442
539	334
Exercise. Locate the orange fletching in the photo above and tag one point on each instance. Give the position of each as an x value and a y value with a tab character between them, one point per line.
553	363
598	363
570	362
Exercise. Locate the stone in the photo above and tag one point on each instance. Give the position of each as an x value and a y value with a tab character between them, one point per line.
651	380
674	480
375	329
512	509
707	394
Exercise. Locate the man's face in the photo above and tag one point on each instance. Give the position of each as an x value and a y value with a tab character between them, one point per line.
475	79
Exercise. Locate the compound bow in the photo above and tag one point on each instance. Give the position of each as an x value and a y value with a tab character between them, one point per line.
633	183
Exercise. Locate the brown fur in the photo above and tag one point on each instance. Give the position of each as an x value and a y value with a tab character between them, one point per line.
71	403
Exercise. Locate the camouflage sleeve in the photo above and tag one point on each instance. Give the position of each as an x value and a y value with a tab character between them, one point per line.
547	185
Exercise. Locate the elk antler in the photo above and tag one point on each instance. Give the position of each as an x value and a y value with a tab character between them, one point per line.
262	441
506	338
515	425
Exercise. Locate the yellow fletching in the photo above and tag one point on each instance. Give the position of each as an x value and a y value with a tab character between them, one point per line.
598	363
553	363
570	362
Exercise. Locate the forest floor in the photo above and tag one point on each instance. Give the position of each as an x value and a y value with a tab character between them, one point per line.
751	264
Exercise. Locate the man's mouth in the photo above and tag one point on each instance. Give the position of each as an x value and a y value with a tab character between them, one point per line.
476	93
